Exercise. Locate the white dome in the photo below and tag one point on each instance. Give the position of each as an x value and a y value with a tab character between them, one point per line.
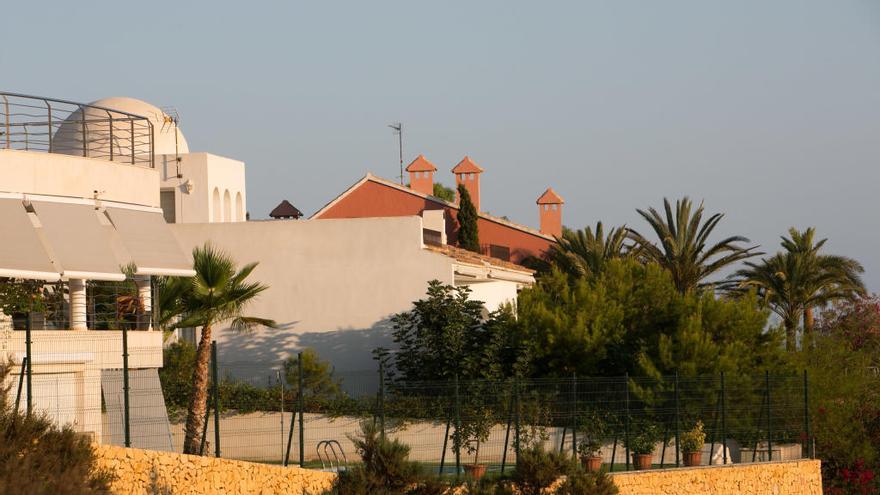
68	138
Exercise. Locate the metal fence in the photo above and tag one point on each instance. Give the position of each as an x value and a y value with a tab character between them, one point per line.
33	123
265	413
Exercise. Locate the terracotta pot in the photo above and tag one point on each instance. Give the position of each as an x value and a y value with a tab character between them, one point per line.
642	461
592	464
475	471
693	458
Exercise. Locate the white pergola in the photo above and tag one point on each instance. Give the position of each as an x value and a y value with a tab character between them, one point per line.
50	238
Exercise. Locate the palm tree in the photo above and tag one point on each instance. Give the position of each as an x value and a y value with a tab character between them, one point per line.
585	252
799	279
218	293
683	242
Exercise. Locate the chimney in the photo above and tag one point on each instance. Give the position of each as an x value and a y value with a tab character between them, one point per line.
421	175
550	212
468	173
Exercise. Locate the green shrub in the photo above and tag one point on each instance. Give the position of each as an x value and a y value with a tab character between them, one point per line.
693	439
644	439
581	483
38	458
537	469
385	470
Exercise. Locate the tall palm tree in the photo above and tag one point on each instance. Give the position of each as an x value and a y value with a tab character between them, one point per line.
799	279
682	248
585	252
218	293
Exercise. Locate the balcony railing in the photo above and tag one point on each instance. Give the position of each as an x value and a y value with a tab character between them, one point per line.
33	123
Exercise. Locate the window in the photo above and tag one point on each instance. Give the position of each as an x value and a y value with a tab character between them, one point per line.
432	237
500	252
168	203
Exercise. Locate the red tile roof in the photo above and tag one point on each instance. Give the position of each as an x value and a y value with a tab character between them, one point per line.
465	256
550	198
421	164
467	166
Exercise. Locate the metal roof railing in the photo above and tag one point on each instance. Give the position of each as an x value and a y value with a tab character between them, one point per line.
34	123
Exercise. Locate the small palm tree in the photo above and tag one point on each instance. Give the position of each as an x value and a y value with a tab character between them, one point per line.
585	252
218	293
799	279
683	239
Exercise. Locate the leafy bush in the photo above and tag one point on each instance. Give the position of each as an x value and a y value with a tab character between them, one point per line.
537	469
644	438
693	439
581	483
386	469
318	378
594	429
38	458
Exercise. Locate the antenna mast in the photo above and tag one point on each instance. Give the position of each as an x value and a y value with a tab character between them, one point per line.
398	129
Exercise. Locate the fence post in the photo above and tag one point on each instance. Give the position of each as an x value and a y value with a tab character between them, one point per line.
302	408
677	424
457	429
126	405
516	430
723	423
808	439
382	398
574	416
769	425
216	398
20	383
29	369
443	453
506	433
626	419
281	384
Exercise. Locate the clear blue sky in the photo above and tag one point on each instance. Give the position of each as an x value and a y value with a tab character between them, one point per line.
767	110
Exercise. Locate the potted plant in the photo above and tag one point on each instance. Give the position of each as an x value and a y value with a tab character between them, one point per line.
692	442
476	424
641	446
589	448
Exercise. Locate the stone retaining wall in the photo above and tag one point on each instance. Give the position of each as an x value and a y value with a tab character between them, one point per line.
766	478
150	472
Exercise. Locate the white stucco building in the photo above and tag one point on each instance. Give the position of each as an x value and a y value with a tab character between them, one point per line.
119	166
80	200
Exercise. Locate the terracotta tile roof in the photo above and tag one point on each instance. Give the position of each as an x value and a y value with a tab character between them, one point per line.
465	256
550	198
467	166
421	164
378	180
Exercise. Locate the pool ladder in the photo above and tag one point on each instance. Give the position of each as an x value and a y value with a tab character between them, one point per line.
327	448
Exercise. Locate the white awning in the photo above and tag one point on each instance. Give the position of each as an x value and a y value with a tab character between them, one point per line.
78	240
22	255
150	243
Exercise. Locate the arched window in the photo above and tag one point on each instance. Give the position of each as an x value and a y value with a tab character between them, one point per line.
216	206
239	208
227	206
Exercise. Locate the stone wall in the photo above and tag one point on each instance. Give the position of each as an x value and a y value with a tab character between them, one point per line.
766	478
150	472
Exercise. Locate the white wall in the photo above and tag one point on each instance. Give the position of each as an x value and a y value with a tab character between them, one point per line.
54	174
206	172
333	283
493	293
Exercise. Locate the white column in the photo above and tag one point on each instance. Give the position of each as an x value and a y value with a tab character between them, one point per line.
78	304
145	294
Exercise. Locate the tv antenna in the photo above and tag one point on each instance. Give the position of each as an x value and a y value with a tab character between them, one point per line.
398	129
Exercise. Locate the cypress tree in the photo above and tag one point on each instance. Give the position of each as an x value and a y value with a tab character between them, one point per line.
468	235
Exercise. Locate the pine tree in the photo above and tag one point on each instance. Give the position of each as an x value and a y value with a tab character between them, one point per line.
468	235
